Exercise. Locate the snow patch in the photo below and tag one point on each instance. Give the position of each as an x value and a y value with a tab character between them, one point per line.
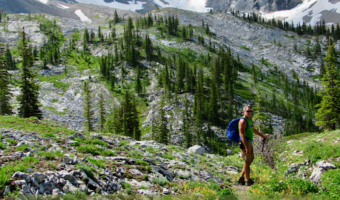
82	16
43	1
311	8
62	6
132	5
192	5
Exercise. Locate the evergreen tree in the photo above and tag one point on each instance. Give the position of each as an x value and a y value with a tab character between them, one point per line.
102	112
148	47
322	69
327	115
112	81
5	95
116	18
88	112
28	98
230	112
207	29
184	33
187	135
163	136
9	60
213	107
138	84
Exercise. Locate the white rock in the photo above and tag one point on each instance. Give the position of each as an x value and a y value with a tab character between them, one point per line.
325	165
316	175
196	150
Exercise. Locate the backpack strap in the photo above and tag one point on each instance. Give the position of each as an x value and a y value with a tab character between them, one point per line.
245	120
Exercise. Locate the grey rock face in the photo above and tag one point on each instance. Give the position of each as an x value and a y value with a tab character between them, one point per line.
251	5
196	150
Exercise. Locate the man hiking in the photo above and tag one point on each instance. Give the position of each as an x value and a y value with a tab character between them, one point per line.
247	131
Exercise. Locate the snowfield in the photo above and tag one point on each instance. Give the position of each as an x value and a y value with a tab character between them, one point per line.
131	6
82	17
62	6
43	1
193	5
309	9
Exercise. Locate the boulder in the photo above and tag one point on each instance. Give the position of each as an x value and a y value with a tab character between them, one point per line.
69	188
135	172
325	165
147	192
39	177
76	135
196	150
166	191
149	160
316	174
21	175
96	136
182	174
7	190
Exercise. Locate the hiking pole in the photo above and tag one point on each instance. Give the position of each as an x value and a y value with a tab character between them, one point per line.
262	143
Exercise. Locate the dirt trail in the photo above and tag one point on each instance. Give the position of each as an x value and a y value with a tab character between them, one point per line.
242	192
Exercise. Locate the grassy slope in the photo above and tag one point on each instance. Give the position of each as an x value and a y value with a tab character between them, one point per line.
312	146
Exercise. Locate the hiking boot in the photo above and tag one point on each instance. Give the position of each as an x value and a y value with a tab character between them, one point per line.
240	181
249	182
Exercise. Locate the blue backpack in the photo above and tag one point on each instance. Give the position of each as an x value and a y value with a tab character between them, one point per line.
233	131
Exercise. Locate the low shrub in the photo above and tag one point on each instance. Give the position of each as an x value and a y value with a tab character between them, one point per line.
142	162
2	146
87	170
99	163
50	155
320	151
291	186
13	142
160	181
168	156
331	184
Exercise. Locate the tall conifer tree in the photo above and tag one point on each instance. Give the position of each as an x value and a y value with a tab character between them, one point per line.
88	112
102	112
28	99
5	95
327	115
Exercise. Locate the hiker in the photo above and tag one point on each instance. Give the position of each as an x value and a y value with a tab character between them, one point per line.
247	131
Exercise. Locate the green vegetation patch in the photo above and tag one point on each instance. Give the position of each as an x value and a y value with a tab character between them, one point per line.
33	124
99	163
94	150
7	171
244	47
320	151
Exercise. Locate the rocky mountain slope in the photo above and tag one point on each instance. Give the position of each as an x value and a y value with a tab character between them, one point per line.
58	161
42	162
251	6
251	42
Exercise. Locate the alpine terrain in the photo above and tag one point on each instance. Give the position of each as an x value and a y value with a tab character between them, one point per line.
132	99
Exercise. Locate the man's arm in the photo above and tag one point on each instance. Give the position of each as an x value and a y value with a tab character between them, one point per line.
258	133
243	125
